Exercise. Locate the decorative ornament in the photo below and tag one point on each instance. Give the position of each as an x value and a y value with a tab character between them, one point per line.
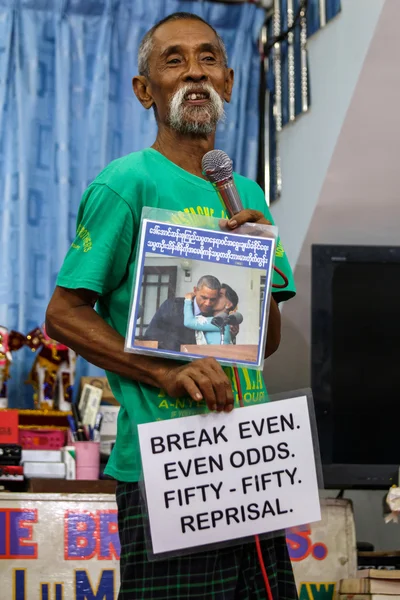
10	341
53	371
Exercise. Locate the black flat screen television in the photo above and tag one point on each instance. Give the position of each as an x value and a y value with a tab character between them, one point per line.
355	363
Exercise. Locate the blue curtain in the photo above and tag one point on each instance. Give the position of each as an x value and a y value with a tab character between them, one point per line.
67	109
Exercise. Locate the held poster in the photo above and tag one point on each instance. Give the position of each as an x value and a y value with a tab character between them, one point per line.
219	477
200	292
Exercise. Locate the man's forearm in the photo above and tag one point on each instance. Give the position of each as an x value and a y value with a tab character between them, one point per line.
83	330
274	329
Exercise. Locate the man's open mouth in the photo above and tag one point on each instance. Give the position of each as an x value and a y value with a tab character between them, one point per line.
195	96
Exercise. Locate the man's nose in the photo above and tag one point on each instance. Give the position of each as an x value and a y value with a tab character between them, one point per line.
194	71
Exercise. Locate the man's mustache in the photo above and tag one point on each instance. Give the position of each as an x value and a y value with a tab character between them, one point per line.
195	88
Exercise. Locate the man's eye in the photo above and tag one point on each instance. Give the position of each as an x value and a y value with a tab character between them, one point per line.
173	61
209	58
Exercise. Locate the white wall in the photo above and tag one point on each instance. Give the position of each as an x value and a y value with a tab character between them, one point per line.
336	56
341	185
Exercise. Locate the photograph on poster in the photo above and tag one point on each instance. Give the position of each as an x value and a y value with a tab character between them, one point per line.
200	293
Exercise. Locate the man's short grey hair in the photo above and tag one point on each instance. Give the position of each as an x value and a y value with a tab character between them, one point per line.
209	281
146	45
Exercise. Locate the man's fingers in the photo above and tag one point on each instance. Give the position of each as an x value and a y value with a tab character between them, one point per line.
205	384
221	394
222	386
247	216
206	379
191	388
197	388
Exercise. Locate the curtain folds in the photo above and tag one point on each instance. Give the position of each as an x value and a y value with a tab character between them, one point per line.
67	109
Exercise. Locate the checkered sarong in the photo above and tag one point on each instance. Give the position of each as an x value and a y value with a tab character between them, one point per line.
231	573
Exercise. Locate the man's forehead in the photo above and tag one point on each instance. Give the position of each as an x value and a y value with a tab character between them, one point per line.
206	290
185	33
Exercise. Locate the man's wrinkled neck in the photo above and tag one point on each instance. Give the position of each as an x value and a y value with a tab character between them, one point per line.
186	151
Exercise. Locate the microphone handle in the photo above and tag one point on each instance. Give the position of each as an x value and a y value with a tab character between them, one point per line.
229	196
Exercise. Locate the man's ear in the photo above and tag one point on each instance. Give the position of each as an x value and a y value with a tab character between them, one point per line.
141	87
229	79
194	290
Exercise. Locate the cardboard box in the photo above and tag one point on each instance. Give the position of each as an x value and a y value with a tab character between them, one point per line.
41	456
45	470
102	383
109	407
89	403
69	456
109	423
106	445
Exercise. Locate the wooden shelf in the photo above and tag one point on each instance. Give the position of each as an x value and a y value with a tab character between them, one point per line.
64	486
40	413
43	418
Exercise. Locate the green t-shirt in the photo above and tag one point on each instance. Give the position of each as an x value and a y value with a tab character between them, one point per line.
102	258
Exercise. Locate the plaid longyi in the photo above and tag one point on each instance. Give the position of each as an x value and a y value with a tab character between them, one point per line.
231	573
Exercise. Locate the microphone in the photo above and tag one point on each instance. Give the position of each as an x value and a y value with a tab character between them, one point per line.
220	321
234	319
223	314
218	168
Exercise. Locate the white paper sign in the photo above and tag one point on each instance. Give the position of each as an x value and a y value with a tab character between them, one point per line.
218	477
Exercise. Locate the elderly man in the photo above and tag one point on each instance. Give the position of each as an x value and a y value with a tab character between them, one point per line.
184	77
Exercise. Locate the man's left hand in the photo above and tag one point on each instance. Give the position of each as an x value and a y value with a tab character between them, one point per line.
247	216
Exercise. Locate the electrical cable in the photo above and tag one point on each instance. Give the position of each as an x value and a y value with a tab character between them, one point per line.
256	538
285	283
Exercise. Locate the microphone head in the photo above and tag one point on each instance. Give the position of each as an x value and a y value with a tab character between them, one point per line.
218	321
217	166
223	314
235	318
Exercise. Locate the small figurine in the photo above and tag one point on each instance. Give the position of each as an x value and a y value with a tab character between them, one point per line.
393	505
10	341
53	371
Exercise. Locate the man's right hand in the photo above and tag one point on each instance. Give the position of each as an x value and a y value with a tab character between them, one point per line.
201	379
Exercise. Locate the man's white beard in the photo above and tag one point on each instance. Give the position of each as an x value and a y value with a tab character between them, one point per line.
200	120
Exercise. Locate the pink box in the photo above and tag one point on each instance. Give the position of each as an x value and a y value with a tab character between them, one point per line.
87	460
41	439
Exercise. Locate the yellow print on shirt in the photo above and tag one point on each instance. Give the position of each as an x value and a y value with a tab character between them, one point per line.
279	250
254	390
199	216
205	211
85	236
